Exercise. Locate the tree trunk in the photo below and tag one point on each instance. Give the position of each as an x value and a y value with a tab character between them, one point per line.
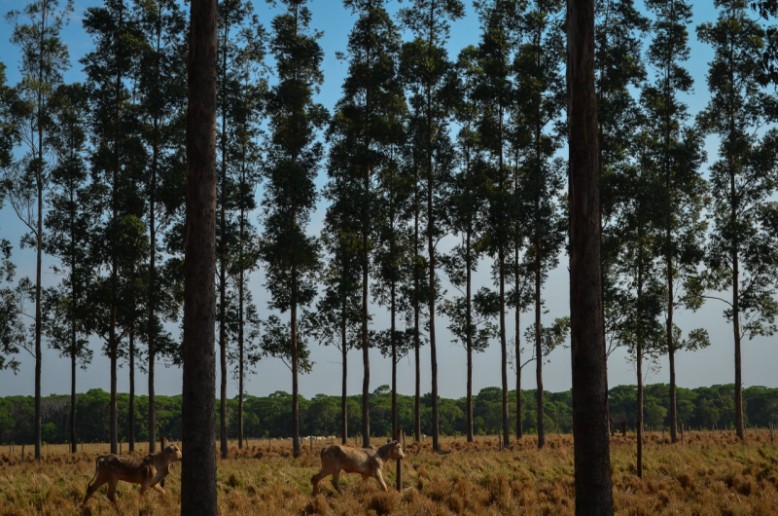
344	378
296	449
432	294
506	433
671	351
539	337
73	399
469	333
198	471
517	343
365	352
735	257
416	322
593	489
131	408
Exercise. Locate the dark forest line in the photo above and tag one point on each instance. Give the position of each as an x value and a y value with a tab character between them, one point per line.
270	416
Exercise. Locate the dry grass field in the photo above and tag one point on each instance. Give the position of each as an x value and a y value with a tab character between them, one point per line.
708	473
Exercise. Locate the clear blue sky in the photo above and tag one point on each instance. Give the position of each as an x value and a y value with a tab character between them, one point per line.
711	366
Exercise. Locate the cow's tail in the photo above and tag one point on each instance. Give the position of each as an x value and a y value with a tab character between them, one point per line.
98	460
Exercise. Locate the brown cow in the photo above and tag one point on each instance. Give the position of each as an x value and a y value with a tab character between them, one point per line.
147	472
365	461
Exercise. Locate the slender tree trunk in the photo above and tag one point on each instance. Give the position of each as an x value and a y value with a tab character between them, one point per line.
639	414
198	471
392	330
38	313
593	489
469	333
296	449
639	361
131	408
241	345
432	295
735	260
39	241
365	313
344	378
539	336
152	294
671	352
73	398
365	346
416	323
506	434
517	340
113	339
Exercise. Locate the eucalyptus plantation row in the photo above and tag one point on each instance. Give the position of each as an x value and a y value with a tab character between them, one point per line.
438	163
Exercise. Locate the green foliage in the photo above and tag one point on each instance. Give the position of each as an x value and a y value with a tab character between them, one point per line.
270	416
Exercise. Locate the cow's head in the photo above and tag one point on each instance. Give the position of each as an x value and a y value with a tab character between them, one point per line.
396	450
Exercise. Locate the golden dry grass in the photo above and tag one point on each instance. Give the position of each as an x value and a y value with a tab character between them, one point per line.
709	473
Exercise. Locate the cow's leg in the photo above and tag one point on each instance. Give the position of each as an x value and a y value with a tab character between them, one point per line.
91	488
380	479
112	490
336	481
159	488
316	479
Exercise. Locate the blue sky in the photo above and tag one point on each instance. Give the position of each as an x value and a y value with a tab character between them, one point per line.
711	366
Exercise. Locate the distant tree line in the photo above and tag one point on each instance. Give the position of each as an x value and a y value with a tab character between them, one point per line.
704	408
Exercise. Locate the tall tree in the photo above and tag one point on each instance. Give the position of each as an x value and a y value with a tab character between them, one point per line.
593	489
338	315
69	221
247	154
495	94
619	69
639	292
293	158
465	219
161	86
392	251
742	248
240	52
425	69
198	472
366	123
44	59
674	153
540	93
117	160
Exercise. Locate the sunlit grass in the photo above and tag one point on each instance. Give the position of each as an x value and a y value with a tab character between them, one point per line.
707	473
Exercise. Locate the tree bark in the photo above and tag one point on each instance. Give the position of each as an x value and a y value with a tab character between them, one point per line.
198	472
593	489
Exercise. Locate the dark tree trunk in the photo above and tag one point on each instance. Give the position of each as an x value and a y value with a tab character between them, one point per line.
539	338
517	343
131	408
671	352
296	449
344	378
593	489
735	259
416	320
506	428
469	333
73	399
365	352
198	471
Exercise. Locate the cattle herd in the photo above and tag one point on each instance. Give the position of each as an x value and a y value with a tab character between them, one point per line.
149	471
